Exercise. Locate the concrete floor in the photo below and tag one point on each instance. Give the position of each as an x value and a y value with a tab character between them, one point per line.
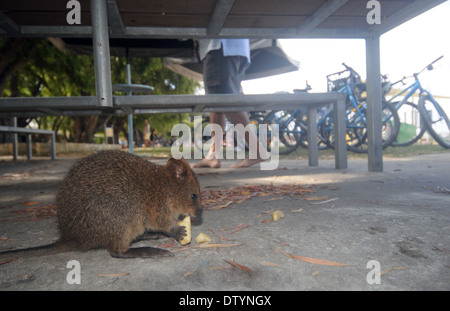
392	227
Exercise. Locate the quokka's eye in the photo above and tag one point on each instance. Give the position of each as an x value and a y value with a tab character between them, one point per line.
194	196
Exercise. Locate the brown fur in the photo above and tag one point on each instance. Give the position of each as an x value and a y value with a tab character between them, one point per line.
110	199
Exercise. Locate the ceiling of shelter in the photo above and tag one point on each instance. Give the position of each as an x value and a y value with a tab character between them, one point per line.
251	18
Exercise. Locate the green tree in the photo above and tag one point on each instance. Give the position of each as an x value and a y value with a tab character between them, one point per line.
35	67
149	71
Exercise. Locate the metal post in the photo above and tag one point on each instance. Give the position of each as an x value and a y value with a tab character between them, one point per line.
374	103
130	116
100	42
15	141
313	148
29	147
340	142
53	146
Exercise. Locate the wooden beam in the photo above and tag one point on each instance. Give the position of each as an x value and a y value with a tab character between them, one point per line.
325	11
175	33
8	25
219	16
114	18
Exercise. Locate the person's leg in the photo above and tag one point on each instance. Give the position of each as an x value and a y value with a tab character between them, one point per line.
211	160
216	72
223	75
261	153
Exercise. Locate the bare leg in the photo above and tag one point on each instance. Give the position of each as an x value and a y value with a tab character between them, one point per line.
210	160
242	118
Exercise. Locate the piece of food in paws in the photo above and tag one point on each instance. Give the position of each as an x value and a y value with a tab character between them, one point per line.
186	222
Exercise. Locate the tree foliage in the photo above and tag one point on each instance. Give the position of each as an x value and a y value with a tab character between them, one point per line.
35	67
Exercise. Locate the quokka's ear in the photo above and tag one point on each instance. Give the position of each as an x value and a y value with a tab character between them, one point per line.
179	168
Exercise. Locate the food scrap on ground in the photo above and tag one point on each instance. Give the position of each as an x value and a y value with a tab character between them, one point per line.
202	238
277	215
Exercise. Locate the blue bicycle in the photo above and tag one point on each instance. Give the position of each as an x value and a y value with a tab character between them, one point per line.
433	115
349	82
418	120
293	126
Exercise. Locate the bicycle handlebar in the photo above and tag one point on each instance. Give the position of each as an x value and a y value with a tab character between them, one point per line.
352	72
438	59
401	80
429	66
347	67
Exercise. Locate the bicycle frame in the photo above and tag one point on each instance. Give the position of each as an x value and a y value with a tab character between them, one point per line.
356	108
412	89
436	105
354	103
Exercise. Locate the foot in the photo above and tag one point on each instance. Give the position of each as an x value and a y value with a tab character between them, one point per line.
142	252
247	163
211	163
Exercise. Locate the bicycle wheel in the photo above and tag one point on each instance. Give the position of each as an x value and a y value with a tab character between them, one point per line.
302	122
412	128
356	136
357	129
356	133
257	119
436	120
289	130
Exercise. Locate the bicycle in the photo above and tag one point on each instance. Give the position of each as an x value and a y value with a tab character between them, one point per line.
291	132
433	115
412	127
349	82
416	132
292	126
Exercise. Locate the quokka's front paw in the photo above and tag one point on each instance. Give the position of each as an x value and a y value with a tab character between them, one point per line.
178	232
187	233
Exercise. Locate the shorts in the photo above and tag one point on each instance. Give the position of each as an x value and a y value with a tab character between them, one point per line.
223	74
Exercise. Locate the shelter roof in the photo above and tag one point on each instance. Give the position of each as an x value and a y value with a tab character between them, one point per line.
209	18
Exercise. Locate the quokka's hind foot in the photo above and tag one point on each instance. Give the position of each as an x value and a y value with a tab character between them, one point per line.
142	252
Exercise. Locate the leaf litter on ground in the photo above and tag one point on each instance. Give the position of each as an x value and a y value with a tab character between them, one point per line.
36	211
215	199
315	260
